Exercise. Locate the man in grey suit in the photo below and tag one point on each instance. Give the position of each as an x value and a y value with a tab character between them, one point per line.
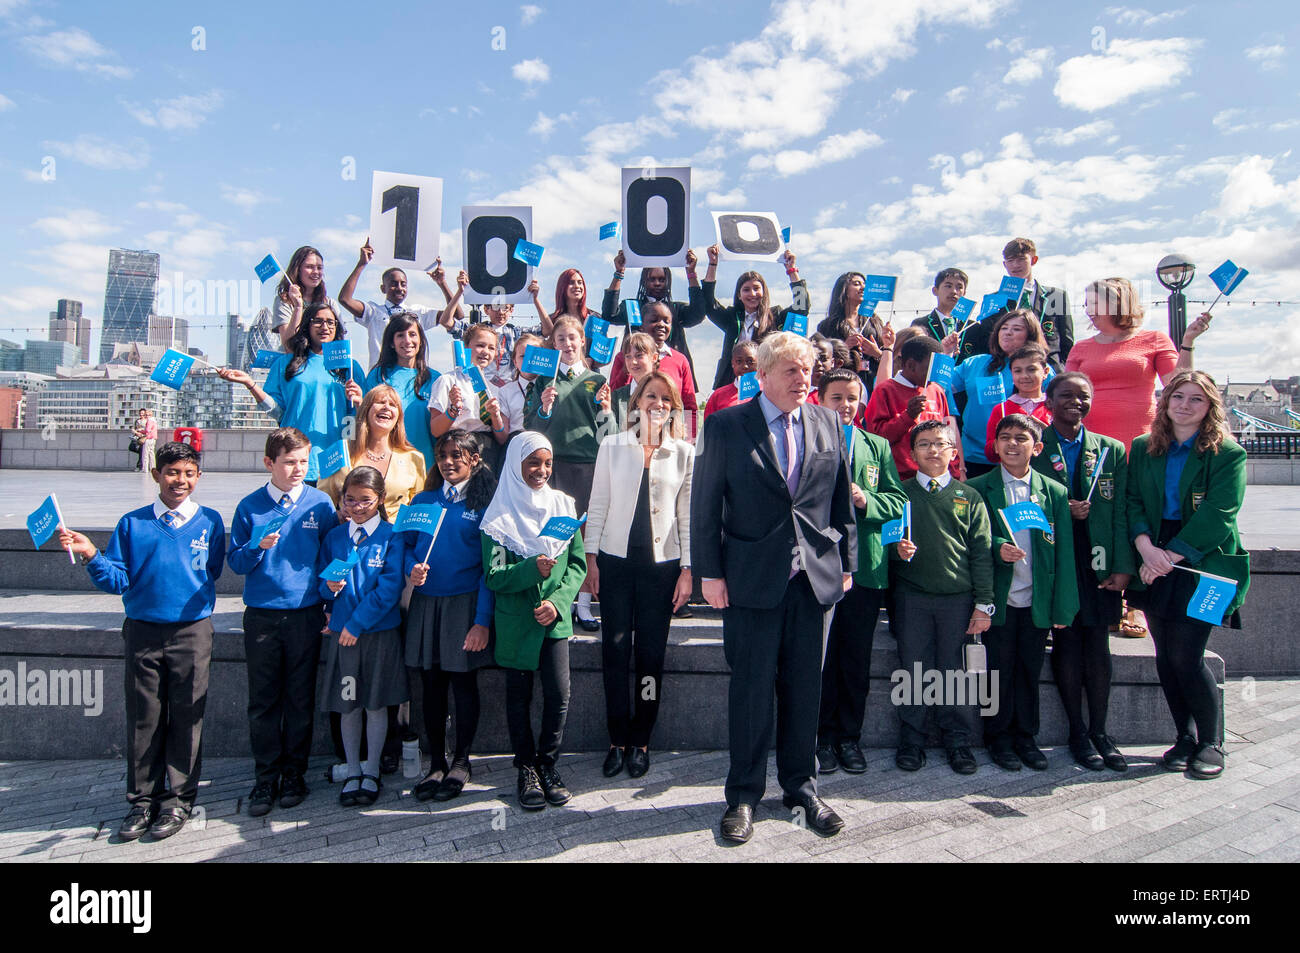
774	541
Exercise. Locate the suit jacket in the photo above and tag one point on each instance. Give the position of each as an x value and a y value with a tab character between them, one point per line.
745	527
1055	598
729	322
932	324
1107	522
1053	310
1210	492
685	315
874	472
619	472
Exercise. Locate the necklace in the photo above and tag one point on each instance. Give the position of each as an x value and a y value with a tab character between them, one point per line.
377	457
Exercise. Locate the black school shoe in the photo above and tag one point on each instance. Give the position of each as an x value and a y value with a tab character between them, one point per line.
851	757
169	822
827	763
137	821
529	790
613	765
961	760
1110	755
293	788
553	785
1207	763
910	757
261	798
1085	755
1180	755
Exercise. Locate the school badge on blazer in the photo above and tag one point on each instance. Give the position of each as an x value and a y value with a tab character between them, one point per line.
591	386
1106	487
873	476
960	505
376	560
1049	327
1197	500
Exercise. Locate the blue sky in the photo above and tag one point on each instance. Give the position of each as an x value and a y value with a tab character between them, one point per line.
894	137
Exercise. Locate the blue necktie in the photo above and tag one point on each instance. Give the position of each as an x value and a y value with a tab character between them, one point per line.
286	502
169	519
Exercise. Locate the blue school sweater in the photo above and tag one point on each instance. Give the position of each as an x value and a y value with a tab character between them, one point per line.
152	567
370	602
284	576
456	563
314	401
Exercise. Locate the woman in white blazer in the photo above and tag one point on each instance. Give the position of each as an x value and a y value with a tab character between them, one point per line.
638	523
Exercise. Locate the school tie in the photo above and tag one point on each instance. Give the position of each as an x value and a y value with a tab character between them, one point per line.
792	462
170	519
286	502
568	375
934	485
1027	300
484	414
359	537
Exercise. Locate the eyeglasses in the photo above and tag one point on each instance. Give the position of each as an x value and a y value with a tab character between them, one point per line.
323	323
926	445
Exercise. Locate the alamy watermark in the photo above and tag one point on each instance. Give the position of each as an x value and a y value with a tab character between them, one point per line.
53	688
942	688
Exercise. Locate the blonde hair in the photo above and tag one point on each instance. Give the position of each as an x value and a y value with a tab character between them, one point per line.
396	438
1117	299
676	427
568	321
639	341
1214	428
783	346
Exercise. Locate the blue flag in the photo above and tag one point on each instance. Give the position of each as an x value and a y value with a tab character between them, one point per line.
562	527
267	268
609	230
1011	289
990	303
334	459
266	529
542	361
633	313
1226	278
595	327
785	234
459	356
848	439
941	370
796	323
417	519
896	530
172	369
1212	596
340	569
338	355
1026	515
601	348
746	385
880	287
528	253
265	358
476	379
866	308
45	522
990	391
962	310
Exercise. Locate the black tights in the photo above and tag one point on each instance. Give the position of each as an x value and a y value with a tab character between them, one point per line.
464	691
1081	664
1190	689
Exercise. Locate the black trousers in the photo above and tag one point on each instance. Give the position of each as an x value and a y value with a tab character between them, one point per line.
1189	687
464	689
166	680
1015	651
780	648
846	674
636	597
1081	666
282	648
931	631
554	670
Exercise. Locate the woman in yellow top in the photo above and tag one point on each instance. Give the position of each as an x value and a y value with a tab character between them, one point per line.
380	442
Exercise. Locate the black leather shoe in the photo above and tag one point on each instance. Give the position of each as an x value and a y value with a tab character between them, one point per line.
389	763
1032	757
684	612
1110	755
738	824
169	822
961	760
638	762
1207	763
529	790
1180	755
367	796
260	801
455	780
553	785
430	783
910	757
827	763
293	789
588	625
137	821
1004	757
851	757
817	814
613	765
1085	755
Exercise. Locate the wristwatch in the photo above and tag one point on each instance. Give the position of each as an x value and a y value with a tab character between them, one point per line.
986	607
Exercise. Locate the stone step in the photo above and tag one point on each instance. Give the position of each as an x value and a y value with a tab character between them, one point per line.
48	630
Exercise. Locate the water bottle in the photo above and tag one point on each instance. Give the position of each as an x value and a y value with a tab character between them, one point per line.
411	758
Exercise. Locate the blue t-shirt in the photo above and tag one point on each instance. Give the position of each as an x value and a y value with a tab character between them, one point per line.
415	406
975	417
314	401
1175	462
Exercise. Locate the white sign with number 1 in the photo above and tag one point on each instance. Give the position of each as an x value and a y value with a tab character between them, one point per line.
405	218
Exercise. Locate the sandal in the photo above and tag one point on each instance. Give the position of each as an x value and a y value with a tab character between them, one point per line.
367	796
350	798
1133	625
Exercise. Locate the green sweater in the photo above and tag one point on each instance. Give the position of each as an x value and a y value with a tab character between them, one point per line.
576	423
874	473
953	543
520	589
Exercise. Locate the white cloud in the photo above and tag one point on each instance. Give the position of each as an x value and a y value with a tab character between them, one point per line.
5	103
828	214
1228	121
1069	137
974	157
531	71
1136	16
1028	67
956	95
1128	68
182	112
247	199
544	125
1250	186
722	201
529	13
834	148
76	49
100	153
80	224
1268	57
902	95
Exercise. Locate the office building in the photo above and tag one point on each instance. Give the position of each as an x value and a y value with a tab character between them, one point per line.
236	343
168	332
67	324
128	298
46	357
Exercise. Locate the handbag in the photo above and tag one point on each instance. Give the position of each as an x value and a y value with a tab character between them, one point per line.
135	446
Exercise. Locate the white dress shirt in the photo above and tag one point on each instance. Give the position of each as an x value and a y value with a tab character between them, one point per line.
1022	572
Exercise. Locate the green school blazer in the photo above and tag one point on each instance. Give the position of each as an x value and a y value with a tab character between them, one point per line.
873	470
1112	548
1210	493
1055	597
520	589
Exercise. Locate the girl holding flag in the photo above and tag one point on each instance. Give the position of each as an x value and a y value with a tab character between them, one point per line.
1187	480
465	400
447	625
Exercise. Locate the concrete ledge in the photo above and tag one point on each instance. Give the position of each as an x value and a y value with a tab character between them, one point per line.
228	451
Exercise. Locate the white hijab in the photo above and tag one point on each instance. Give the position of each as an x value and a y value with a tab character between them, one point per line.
517	513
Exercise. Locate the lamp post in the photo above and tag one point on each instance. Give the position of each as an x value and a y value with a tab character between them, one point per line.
1175	272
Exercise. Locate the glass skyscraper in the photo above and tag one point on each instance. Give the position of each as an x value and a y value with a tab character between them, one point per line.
128	298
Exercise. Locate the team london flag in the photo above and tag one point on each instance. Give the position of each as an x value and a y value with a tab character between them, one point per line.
528	253
1010	290
45	521
340	569
172	369
962	310
267	268
633	313
562	527
265	358
1227	276
796	323
1212	596
459	355
334	459
1026	515
896	530
866	308
266	529
746	386
423	518
542	361
338	355
602	348
941	369
880	287
609	230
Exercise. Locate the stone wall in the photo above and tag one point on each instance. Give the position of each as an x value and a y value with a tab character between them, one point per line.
224	451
